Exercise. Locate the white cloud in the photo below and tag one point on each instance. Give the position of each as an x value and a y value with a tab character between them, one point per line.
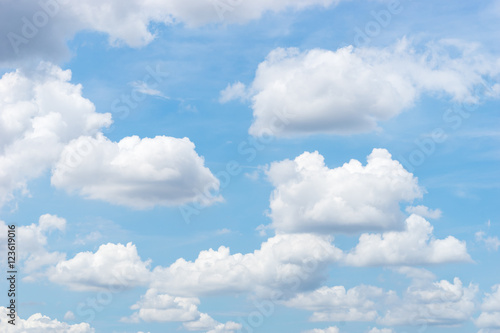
143	88
155	307
39	114
33	253
40	324
309	196
413	246
208	324
331	329
351	90
69	316
382	330
491	243
490	315
233	91
40	29
136	172
437	303
338	304
112	266
424	211
424	302
282	264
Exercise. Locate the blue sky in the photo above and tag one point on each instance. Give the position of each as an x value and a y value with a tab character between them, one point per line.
309	166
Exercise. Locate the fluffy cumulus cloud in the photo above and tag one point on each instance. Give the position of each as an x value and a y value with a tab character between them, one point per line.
39	29
283	264
40	113
135	172
351	90
489	319
338	304
112	266
424	211
40	324
157	307
209	325
309	196
433	303
415	245
424	302
34	253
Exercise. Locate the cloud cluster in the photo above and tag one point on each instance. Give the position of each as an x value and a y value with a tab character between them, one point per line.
33	253
112	266
490	315
351	90
157	307
40	29
46	123
135	172
40	324
436	303
40	113
310	197
283	262
413	246
425	302
338	304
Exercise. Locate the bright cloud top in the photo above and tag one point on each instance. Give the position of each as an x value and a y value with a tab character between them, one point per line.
157	307
309	196
436	303
424	302
338	304
40	324
413	246
34	254
282	263
135	172
351	90
39	114
113	266
490	315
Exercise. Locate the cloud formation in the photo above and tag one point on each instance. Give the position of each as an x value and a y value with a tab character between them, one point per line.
490	315
424	302
40	29
40	324
283	263
34	254
157	307
338	304
414	246
40	113
310	197
433	303
112	266
139	173
351	90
